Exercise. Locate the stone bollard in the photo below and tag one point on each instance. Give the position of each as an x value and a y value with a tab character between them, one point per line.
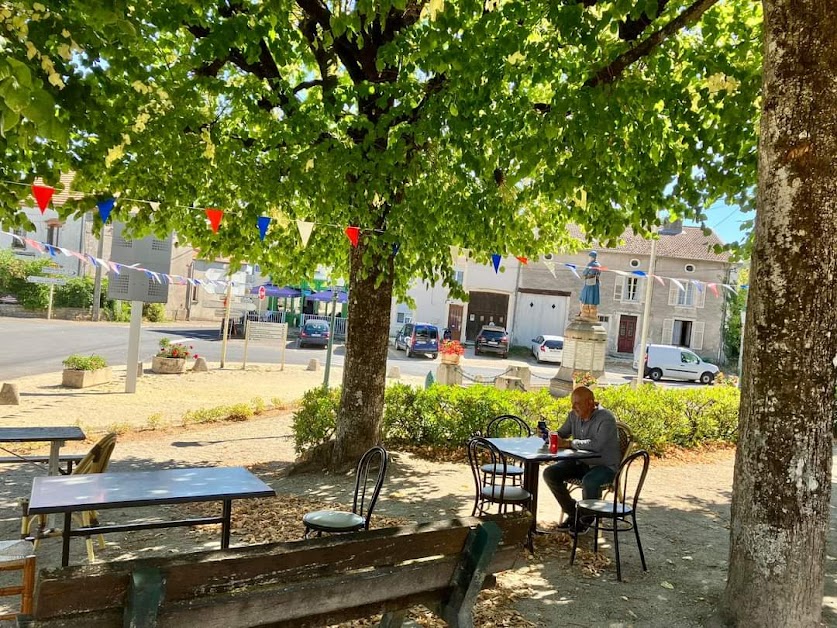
200	365
9	395
313	365
449	375
140	369
507	382
394	372
523	373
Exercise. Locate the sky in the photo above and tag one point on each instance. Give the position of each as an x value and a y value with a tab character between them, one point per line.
725	220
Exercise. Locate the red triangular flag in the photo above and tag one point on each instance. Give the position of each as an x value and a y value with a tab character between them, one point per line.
353	233
522	260
214	216
42	194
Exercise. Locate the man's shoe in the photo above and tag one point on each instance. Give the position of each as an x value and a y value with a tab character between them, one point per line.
580	529
566	525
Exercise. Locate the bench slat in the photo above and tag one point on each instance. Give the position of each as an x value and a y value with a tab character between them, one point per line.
280	574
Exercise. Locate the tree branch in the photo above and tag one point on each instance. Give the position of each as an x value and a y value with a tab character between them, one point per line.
614	70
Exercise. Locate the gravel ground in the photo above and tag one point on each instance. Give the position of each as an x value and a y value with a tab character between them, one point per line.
684	516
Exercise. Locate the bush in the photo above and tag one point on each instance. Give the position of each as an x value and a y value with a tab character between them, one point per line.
154	312
446	416
84	362
77	292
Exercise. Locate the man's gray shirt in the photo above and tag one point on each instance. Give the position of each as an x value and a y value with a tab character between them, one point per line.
598	434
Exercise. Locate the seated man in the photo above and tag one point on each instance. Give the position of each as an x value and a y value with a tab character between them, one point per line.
592	429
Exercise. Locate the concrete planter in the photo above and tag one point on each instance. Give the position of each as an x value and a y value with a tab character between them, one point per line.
168	366
450	358
83	379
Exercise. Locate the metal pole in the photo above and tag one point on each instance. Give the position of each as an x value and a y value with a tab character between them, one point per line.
133	347
646	315
331	335
226	324
97	285
741	337
49	305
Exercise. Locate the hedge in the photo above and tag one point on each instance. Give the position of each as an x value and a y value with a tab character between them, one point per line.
446	416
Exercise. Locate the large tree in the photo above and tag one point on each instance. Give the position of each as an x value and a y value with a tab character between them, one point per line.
782	486
482	124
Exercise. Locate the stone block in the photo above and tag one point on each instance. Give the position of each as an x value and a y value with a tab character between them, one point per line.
449	375
200	365
394	372
9	395
313	365
507	382
82	379
523	374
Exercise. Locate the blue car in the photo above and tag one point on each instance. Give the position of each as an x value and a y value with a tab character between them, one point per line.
314	333
418	338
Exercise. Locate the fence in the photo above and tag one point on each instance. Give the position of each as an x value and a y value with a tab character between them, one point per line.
340	323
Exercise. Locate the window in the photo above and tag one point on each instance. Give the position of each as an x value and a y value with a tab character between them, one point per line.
687	294
687	357
19	244
689	268
683	333
52	234
628	289
604	319
548	257
634	263
459	276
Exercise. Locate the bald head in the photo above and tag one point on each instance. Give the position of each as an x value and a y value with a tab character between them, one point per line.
584	402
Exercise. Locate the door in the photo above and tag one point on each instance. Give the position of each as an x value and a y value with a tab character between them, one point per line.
690	365
627	334
485	308
455	321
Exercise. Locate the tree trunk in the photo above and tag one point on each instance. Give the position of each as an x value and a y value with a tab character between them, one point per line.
783	463
364	373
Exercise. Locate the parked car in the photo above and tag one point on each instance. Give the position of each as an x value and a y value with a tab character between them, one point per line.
492	339
418	338
314	333
548	348
676	363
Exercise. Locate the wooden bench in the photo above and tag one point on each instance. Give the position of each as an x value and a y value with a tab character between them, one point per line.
70	459
315	582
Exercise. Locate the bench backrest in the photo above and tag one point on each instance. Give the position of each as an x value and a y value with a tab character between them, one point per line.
313	582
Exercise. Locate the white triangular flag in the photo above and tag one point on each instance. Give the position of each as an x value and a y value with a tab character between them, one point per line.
155	205
550	266
305	229
677	283
660	279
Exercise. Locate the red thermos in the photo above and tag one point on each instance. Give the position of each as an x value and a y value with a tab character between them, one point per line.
553	442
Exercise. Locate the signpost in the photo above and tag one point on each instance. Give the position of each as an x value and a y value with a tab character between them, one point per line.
266	331
52	282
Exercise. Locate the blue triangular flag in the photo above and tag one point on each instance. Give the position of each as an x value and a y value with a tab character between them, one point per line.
495	259
264	222
105	208
395	248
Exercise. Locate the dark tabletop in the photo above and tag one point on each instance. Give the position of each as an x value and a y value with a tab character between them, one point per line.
72	493
533	449
33	434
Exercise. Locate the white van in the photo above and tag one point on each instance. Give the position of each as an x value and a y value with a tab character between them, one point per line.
676	363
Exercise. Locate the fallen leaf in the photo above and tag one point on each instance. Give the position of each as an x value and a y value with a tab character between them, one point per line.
666	585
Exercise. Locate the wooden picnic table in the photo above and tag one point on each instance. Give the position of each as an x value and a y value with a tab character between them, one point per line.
103	491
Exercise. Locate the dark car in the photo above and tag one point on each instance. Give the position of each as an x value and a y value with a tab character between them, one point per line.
314	333
418	338
492	339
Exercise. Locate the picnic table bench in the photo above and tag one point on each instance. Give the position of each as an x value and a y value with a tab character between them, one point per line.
69	459
313	582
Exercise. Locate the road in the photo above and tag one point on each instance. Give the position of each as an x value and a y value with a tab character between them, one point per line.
30	346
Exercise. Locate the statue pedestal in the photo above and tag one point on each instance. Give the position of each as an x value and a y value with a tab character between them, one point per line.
585	341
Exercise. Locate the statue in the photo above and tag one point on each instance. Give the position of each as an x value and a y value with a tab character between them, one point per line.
590	293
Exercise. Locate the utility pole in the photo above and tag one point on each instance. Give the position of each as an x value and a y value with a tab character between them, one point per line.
97	285
646	315
227	302
331	335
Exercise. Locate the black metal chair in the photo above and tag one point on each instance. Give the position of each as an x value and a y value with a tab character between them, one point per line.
492	486
626	441
507	425
618	510
338	521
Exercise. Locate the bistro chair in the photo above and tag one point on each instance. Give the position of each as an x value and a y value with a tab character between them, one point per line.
618	511
626	441
506	425
492	480
18	556
96	461
366	477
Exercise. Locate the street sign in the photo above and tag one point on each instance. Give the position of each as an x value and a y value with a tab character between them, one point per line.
58	270
55	281
262	293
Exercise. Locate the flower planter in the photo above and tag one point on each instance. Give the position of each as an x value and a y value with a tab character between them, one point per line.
168	366
72	378
450	358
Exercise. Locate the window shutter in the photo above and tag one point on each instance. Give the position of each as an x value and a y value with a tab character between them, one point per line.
668	327
618	288
640	290
700	297
697	335
673	292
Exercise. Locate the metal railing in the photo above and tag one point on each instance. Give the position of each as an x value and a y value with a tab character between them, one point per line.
340	323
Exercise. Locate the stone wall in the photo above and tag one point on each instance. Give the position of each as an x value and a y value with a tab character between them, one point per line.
63	313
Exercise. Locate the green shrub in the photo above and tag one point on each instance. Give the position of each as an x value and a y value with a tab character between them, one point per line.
206	415
239	412
314	422
258	404
77	292
84	362
446	416
154	312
